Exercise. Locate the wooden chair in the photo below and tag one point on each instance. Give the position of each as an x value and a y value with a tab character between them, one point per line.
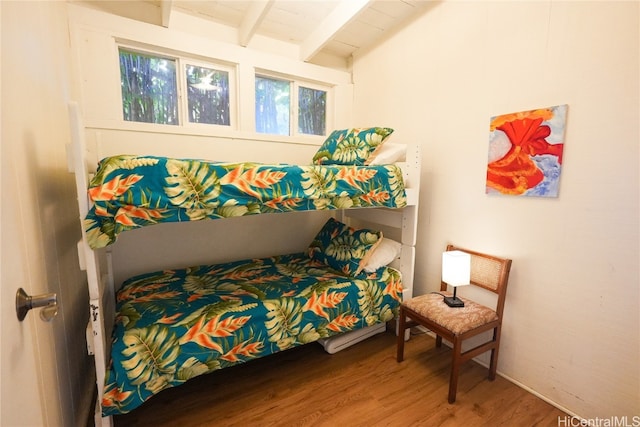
458	324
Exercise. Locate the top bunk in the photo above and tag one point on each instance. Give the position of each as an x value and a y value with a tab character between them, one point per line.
353	169
129	191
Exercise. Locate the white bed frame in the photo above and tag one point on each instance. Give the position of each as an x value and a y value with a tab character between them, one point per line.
100	278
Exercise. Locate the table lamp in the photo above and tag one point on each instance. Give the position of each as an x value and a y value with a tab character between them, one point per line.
456	271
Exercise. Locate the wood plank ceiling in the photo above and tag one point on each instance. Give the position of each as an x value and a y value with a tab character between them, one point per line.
337	28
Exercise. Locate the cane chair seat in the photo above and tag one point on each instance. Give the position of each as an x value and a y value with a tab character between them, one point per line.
456	319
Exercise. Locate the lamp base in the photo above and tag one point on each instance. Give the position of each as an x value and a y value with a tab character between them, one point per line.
453	302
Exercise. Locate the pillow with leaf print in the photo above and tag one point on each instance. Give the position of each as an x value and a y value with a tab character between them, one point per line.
351	146
343	248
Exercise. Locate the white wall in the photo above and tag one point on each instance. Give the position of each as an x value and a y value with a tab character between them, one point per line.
571	328
40	224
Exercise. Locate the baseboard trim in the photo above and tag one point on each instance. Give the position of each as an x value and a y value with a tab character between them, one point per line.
512	380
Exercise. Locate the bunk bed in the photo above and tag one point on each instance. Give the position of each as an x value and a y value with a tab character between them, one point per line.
160	329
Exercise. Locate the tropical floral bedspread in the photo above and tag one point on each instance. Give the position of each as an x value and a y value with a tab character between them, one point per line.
133	191
173	325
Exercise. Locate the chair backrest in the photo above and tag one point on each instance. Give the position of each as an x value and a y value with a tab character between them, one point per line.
489	272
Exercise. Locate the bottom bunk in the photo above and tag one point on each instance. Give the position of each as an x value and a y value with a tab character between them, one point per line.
173	325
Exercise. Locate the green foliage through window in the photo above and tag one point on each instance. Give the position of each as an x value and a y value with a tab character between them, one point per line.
272	106
151	94
149	90
208	95
312	107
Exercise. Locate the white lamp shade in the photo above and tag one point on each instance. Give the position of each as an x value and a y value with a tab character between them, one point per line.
456	268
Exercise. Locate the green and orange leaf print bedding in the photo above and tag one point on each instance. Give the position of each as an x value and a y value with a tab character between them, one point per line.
173	325
128	191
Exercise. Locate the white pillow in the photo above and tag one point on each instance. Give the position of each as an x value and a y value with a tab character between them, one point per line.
387	154
383	254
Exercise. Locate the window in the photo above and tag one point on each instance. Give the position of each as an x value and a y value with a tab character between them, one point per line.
171	89
312	107
149	90
274	104
208	95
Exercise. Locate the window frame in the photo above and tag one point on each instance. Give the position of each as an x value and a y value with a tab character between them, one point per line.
184	94
328	90
242	97
182	60
291	95
157	55
294	86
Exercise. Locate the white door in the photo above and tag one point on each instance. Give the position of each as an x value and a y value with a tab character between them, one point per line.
29	383
20	398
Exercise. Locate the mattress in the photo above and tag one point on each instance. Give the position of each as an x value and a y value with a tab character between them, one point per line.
128	192
173	325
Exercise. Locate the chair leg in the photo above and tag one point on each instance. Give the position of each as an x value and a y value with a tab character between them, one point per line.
493	365
455	369
402	325
438	341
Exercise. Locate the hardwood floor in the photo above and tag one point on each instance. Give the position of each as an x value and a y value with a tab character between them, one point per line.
359	386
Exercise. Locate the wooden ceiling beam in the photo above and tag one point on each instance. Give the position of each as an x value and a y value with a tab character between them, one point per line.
252	20
165	12
345	12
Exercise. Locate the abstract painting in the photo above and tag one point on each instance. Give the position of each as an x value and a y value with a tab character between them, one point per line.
525	152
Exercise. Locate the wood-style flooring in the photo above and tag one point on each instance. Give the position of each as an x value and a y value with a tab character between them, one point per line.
360	386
